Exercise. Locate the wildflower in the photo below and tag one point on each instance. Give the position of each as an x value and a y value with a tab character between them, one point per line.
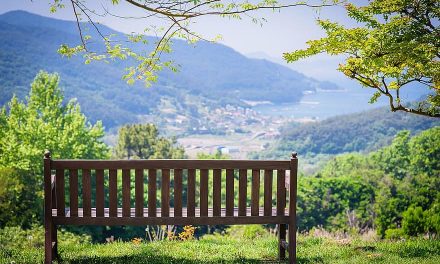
137	241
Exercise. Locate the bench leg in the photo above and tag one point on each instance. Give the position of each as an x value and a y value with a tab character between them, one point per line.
48	239
292	244
50	243
281	237
55	242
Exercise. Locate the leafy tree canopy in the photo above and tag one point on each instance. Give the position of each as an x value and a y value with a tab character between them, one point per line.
142	141
44	121
404	180
396	46
175	18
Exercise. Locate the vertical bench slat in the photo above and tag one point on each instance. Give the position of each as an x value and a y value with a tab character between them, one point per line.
217	192
139	192
100	193
191	193
73	187
204	192
268	175
281	192
152	192
242	192
165	199
177	192
113	192
59	182
229	192
87	193
126	193
255	194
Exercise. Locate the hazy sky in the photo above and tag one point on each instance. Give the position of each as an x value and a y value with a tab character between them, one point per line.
284	30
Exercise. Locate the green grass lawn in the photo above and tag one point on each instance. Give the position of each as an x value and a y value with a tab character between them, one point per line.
225	249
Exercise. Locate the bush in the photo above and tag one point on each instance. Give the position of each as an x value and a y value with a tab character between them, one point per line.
432	217
15	237
18	198
394	233
413	222
254	231
247	231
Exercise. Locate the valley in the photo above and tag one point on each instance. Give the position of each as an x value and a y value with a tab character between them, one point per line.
218	100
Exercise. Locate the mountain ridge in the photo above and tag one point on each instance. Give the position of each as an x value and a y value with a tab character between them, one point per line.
357	132
214	73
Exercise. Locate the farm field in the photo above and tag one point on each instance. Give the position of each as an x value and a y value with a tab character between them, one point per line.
238	145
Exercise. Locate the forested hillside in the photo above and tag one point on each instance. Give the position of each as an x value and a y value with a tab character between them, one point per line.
210	75
365	131
393	190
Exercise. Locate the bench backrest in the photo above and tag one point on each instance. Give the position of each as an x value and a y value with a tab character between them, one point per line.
130	188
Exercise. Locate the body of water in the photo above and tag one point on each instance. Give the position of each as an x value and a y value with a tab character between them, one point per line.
324	104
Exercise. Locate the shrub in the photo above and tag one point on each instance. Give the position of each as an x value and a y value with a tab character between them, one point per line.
18	198
15	237
254	231
413	222
394	233
432	217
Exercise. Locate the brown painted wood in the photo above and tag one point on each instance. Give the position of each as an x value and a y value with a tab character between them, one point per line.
255	194
191	192
292	208
54	242
139	192
229	192
281	192
165	199
268	176
171	164
152	194
126	193
48	219
178	192
178	215
87	192
113	191
73	190
59	182
99	193
203	192
282	242
159	212
242	192
217	192
141	221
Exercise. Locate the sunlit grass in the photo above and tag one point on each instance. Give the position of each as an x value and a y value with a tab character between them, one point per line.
225	249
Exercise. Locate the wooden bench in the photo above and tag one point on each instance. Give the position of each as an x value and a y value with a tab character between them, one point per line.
104	210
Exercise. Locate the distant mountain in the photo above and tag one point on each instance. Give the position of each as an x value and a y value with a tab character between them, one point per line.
360	132
211	74
323	85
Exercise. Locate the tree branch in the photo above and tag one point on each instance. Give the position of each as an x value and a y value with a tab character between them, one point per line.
79	26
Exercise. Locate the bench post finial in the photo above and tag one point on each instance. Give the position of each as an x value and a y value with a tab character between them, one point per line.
47	154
